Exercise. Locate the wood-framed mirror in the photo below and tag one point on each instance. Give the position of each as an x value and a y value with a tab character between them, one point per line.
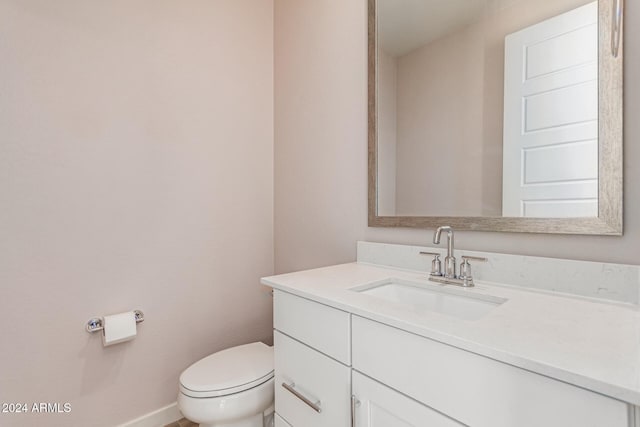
496	115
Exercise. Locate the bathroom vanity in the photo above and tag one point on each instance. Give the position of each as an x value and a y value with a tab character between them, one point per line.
530	141
370	345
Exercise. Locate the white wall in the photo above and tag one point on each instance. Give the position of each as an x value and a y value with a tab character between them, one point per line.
321	147
135	172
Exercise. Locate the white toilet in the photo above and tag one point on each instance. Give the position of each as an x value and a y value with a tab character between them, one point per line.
231	388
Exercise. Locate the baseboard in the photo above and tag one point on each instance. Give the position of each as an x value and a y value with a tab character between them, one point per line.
158	418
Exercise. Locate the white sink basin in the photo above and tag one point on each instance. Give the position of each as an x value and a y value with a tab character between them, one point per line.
458	303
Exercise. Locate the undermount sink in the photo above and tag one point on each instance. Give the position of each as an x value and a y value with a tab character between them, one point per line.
423	296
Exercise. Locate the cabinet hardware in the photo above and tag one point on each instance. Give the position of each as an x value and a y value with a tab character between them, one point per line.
291	389
616	27
354	404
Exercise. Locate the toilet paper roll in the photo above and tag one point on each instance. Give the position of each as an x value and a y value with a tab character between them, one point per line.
119	328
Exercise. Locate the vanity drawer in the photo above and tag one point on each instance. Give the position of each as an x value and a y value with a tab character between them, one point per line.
324	328
312	376
473	389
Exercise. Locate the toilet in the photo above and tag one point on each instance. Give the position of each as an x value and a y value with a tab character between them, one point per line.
230	388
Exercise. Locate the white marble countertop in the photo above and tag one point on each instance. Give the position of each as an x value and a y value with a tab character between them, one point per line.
588	343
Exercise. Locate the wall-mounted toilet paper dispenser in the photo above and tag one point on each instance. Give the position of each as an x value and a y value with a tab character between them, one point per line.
97	324
116	328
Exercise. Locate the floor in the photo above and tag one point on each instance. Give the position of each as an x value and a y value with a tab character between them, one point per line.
182	423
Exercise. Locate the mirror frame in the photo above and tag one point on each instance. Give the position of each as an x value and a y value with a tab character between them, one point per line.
610	146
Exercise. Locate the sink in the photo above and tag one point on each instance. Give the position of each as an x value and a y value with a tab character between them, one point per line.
418	296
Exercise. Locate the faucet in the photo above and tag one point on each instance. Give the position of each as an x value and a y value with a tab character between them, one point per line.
449	277
450	260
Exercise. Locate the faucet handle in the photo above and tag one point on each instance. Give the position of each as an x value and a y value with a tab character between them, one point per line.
465	269
436	264
474	258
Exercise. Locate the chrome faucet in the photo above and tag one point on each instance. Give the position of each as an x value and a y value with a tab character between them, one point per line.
450	260
449	276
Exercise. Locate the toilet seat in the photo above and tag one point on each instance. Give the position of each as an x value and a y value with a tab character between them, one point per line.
229	371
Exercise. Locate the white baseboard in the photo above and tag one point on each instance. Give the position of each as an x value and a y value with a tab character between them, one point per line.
158	418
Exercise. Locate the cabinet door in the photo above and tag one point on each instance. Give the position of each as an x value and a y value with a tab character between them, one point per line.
379	406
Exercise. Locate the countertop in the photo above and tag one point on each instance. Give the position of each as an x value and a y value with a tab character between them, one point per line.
584	342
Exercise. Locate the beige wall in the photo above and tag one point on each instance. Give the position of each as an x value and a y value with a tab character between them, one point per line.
321	147
439	144
135	172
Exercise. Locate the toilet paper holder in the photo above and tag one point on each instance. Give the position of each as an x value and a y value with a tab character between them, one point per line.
96	324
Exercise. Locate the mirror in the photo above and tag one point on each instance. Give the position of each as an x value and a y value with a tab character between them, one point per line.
496	115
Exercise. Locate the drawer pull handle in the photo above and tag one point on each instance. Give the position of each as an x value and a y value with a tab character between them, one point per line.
291	389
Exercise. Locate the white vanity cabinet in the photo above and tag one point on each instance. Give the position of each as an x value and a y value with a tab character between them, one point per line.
475	390
361	373
312	345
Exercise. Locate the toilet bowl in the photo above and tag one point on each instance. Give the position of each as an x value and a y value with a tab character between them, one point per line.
231	388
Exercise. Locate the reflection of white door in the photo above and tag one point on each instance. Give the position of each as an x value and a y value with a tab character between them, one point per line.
550	151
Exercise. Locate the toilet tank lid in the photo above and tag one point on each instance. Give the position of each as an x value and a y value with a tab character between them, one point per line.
230	370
